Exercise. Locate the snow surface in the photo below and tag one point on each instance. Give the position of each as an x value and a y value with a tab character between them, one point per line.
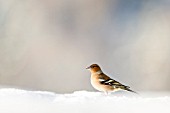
22	101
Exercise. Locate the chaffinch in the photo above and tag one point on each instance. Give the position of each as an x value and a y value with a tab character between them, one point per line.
102	82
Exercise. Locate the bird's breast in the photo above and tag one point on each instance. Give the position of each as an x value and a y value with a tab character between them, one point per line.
95	82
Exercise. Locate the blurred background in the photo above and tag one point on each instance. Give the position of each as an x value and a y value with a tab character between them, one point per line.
47	44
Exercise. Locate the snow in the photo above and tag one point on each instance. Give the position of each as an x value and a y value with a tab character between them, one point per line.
23	101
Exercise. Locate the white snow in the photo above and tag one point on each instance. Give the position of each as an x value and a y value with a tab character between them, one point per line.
22	101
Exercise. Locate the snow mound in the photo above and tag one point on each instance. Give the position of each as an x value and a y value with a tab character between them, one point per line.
22	101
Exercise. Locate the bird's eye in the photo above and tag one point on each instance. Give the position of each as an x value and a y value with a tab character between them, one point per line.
92	66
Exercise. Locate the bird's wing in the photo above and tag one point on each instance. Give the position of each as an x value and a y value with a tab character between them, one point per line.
108	81
105	80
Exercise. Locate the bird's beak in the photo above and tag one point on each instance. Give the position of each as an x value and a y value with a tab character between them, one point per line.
87	67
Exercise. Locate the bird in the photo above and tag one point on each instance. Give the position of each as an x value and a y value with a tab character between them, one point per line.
104	83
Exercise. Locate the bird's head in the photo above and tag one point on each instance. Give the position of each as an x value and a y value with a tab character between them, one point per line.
94	68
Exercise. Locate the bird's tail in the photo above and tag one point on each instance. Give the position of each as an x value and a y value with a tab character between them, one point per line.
128	89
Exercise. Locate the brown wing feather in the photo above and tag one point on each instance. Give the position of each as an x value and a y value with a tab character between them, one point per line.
111	82
108	81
